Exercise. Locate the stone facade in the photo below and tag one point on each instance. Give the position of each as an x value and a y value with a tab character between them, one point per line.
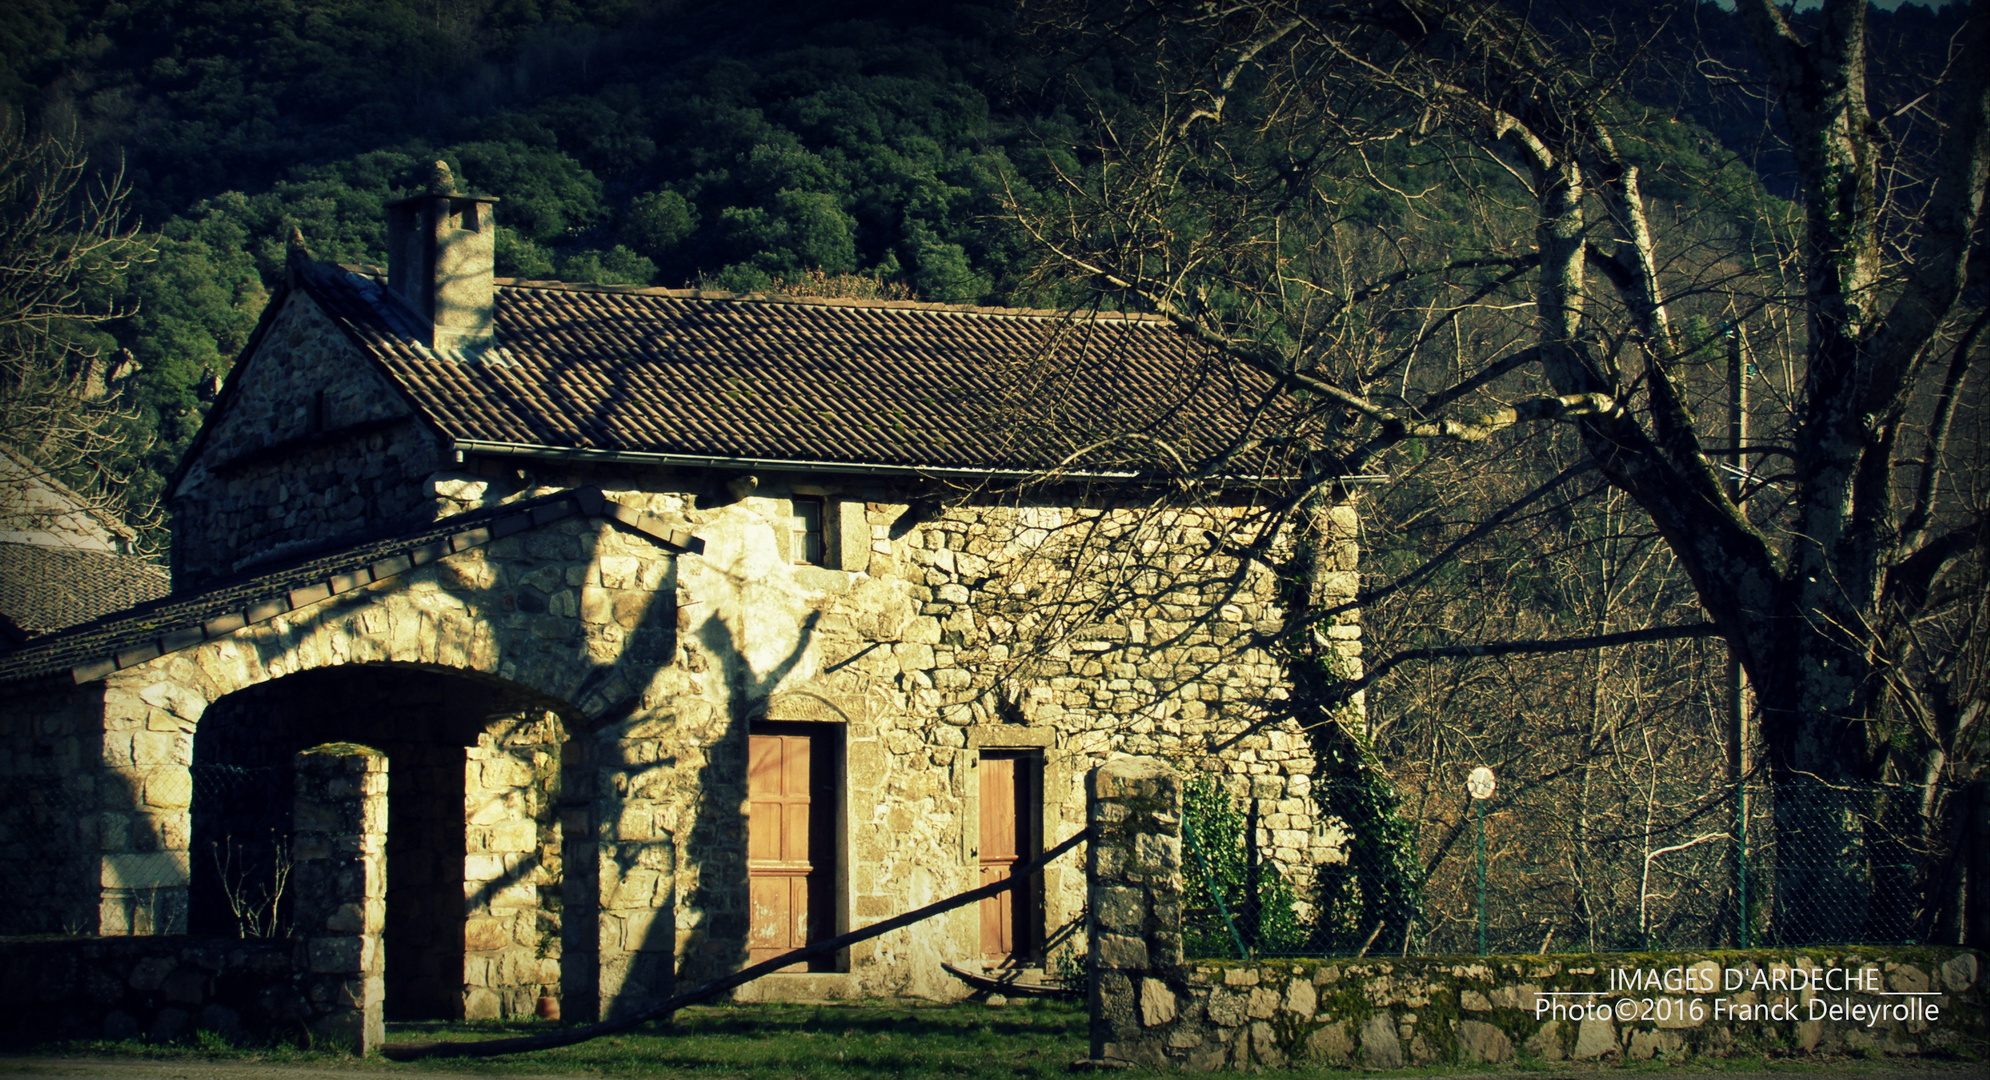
565	700
604	779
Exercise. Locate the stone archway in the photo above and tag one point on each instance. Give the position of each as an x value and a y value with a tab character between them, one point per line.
477	883
481	668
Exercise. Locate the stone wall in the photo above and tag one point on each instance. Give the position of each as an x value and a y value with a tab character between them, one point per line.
1393	1013
451	668
314	444
602	851
514	869
1151	1007
975	627
160	988
320	986
1055	625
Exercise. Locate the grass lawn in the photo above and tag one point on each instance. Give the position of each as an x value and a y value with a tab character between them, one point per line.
763	1042
869	1040
749	1042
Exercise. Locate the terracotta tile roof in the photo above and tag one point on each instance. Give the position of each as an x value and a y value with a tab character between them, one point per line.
43	588
183	620
892	384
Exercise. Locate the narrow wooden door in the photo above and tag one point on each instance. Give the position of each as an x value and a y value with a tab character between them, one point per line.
1008	815
790	861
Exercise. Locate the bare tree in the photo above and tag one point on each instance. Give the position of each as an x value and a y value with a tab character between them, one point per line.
64	245
1427	222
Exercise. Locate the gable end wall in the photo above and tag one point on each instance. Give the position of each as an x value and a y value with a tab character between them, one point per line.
312	444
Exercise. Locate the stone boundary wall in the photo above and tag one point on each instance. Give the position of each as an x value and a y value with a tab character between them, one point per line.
1388	1014
156	988
1151	1007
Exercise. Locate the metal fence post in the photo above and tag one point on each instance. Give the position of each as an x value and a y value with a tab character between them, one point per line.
1481	785
1480	804
1741	862
1210	886
1976	852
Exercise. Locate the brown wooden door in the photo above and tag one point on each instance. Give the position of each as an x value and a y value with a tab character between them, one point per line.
1008	816
789	855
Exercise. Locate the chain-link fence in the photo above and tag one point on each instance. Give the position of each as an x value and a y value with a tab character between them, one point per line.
1552	868
75	856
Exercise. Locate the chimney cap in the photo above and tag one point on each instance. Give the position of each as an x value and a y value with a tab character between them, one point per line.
441	181
296	256
442	185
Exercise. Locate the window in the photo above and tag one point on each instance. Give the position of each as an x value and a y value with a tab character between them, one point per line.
806	522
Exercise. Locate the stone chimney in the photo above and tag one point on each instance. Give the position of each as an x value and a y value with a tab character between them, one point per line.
441	252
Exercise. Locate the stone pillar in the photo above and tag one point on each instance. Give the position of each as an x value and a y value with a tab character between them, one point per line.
1335	582
1134	872
513	864
338	886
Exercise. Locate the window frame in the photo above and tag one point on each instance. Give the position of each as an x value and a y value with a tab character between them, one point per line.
799	533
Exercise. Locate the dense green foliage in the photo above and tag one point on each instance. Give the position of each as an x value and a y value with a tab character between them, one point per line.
631	142
1233	896
666	142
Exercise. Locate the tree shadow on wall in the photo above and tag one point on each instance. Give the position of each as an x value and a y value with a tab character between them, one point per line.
720	828
699	869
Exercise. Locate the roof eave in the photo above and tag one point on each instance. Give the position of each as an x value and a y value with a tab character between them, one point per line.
581	455
711	461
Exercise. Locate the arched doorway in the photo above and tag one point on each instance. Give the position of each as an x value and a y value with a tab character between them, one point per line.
480	904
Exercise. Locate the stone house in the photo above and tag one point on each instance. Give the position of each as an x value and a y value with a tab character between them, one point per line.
63	562
693	626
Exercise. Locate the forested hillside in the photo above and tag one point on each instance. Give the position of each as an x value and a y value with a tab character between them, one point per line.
632	142
868	146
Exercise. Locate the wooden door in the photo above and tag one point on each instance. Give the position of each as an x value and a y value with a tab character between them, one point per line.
790	860
1008	836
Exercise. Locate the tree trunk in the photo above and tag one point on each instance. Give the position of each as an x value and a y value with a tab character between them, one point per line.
1976	866
1813	689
